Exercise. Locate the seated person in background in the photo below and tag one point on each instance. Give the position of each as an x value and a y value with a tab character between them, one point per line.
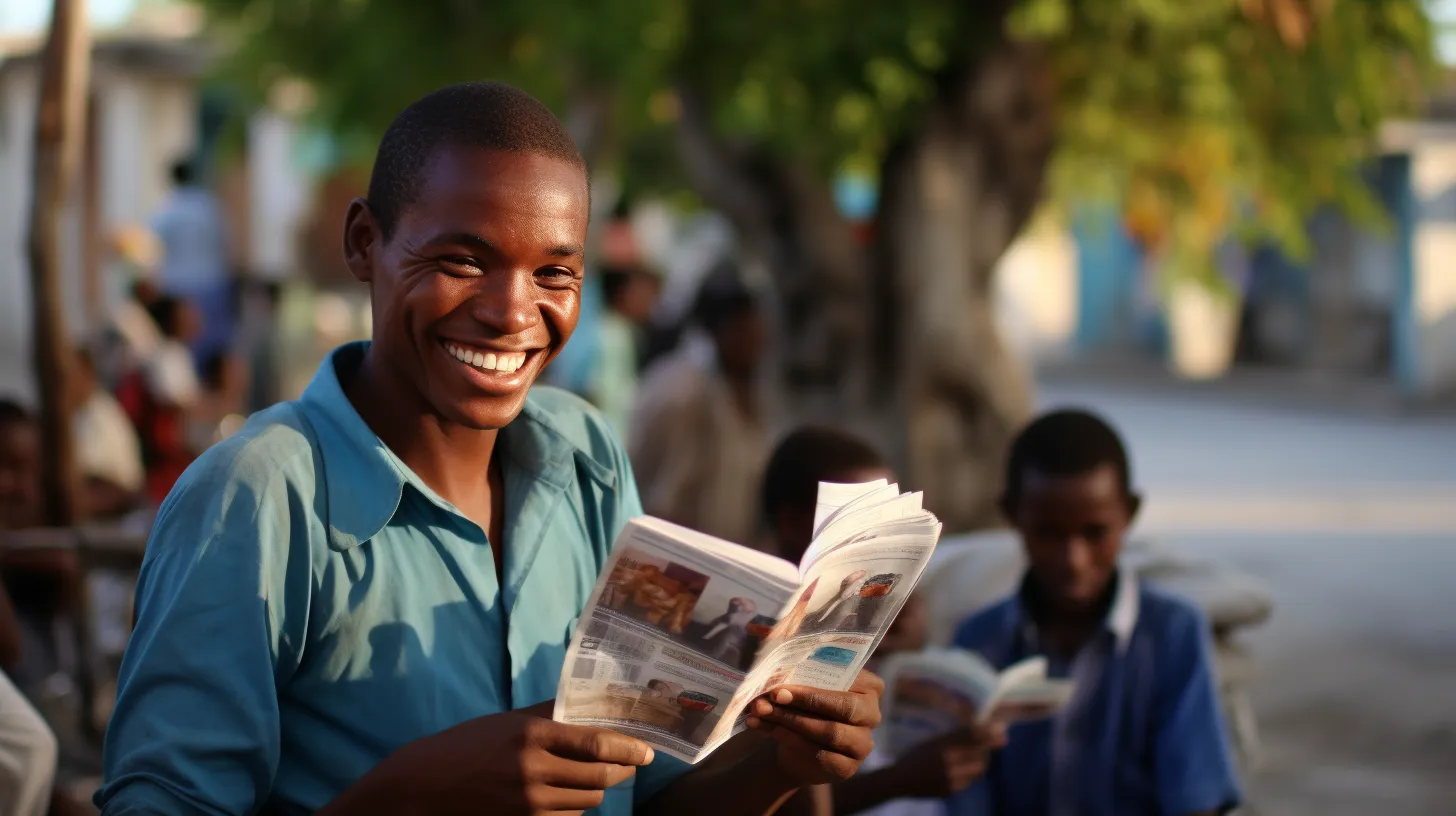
1144	734
939	767
28	750
42	582
107	447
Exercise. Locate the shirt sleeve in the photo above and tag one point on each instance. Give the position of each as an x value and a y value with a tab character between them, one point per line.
1194	768
220	605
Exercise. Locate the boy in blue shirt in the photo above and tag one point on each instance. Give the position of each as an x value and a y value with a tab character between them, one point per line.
1143	736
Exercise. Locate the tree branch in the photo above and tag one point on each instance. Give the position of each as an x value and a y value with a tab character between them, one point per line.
720	172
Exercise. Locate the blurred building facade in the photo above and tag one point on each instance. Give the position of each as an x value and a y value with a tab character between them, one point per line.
1371	302
149	107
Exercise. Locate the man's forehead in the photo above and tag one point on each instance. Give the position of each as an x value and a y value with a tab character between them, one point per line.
472	190
483	170
1099	479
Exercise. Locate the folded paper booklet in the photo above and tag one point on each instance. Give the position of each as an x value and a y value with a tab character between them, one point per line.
683	630
937	691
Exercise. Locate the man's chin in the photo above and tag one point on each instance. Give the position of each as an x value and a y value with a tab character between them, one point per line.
484	413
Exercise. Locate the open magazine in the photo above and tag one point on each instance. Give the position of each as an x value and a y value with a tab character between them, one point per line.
683	630
936	691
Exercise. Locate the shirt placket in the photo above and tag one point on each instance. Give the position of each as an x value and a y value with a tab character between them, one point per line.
1069	744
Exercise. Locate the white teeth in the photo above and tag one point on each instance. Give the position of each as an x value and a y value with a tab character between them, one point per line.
504	363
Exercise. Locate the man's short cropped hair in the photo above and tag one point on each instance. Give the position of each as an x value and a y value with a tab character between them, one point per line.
1066	442
489	115
807	457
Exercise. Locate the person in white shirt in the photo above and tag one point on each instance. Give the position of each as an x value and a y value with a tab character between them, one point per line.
28	749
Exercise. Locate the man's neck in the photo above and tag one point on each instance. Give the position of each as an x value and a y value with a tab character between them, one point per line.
453	460
1065	628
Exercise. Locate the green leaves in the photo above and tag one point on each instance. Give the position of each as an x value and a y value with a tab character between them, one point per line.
1201	118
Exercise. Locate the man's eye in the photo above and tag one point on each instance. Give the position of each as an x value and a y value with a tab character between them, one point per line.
556	275
456	265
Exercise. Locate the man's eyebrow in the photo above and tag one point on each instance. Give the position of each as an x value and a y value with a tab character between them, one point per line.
564	251
464	239
480	244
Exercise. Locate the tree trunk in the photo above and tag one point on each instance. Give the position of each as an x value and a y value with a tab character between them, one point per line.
954	197
60	130
900	341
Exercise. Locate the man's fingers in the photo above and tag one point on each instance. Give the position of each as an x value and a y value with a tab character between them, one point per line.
837	765
847	707
589	744
849	740
868	682
558	772
546	799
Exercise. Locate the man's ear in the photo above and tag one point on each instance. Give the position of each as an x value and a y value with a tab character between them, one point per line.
362	238
1134	504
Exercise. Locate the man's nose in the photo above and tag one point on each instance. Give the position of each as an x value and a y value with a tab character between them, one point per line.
1079	555
505	301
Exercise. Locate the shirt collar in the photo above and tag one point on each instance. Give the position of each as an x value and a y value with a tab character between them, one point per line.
364	480
1121	619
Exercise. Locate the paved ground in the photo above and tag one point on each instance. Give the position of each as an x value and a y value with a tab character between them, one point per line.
1350	517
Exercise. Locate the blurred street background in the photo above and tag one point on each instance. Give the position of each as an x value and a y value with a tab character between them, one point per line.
1227	225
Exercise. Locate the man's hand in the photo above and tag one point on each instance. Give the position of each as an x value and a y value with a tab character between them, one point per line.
520	762
822	736
949	763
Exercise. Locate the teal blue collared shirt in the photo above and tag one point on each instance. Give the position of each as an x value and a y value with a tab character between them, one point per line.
307	605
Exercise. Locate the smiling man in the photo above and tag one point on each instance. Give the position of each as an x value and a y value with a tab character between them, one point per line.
361	602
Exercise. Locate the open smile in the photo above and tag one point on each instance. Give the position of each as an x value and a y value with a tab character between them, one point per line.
492	369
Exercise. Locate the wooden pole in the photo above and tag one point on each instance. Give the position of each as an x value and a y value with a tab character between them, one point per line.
59	133
93	231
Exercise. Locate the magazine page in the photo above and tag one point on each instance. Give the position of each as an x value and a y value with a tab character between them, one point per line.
1024	692
855	498
931	693
838	615
850	522
864	518
667	637
834	495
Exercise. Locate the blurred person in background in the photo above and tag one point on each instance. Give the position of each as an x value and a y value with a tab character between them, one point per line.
195	264
222	402
131	335
161	393
698	440
28	749
1144	733
913	785
107	446
630	294
43	582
